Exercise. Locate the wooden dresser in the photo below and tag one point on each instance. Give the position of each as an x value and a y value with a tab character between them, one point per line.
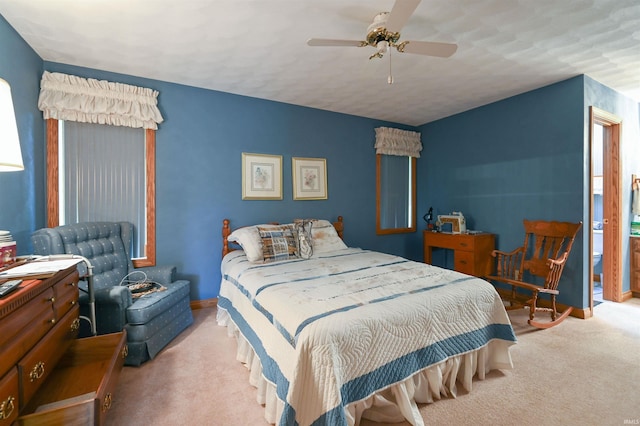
47	375
471	252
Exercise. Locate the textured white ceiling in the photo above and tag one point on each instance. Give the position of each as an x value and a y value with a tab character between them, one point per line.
258	48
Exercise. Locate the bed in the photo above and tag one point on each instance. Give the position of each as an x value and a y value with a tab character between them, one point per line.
346	333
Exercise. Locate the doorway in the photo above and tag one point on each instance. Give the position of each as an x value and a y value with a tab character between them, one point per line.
597	193
605	211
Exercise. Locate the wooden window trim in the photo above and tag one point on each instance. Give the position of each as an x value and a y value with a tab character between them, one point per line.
53	195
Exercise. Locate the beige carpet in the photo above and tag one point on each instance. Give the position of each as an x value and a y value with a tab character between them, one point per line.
583	372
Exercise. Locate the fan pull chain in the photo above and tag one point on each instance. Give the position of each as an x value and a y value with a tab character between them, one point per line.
390	78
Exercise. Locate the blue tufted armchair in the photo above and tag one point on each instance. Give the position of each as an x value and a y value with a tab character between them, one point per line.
151	321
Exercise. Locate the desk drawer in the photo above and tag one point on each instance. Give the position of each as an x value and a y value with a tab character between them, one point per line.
9	397
463	242
464	262
36	366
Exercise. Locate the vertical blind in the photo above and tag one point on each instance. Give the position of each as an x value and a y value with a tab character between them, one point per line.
396	191
102	176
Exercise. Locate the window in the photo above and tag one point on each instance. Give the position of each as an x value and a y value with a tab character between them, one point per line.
396	153
395	194
91	165
126	181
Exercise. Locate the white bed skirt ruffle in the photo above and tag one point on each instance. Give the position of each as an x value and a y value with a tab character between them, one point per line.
395	403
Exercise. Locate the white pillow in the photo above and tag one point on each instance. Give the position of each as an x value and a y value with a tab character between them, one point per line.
325	237
249	239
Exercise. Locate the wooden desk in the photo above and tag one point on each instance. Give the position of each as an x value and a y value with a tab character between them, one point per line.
471	252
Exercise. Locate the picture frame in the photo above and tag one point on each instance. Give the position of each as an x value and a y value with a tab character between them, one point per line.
261	176
309	178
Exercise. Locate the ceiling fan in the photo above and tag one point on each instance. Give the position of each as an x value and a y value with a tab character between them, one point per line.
384	33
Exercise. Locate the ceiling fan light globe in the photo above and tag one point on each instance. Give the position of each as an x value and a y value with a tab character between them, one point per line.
382	46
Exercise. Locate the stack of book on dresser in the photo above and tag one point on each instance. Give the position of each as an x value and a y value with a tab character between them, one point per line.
7	248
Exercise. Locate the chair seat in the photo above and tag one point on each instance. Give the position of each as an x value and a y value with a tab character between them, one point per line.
150	306
146	340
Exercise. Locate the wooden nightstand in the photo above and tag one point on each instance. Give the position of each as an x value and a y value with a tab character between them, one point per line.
471	252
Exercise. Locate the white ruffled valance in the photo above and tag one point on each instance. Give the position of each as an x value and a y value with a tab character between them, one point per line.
390	141
87	100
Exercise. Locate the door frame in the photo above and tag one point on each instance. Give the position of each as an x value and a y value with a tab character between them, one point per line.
612	198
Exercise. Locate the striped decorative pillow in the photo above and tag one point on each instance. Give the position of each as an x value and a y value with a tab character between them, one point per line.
278	243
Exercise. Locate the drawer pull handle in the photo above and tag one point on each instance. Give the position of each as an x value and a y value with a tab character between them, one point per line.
106	405
75	325
125	351
52	299
464	262
6	408
52	320
37	371
463	244
73	303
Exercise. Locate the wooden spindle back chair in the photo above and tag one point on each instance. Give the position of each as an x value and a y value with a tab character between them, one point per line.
546	247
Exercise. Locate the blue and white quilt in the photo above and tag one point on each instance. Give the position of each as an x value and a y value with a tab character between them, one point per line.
335	329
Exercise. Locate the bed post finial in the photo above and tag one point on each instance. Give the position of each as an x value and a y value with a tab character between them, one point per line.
226	231
339	225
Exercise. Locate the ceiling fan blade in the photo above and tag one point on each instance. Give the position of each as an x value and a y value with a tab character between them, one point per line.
332	42
400	14
443	50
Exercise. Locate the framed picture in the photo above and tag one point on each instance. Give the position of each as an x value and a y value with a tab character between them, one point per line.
261	177
309	178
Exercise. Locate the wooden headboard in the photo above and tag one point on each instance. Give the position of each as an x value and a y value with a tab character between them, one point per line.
226	231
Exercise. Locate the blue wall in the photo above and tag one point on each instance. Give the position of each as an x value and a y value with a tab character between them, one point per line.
21	204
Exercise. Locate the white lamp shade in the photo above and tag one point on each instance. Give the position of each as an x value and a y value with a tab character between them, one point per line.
10	153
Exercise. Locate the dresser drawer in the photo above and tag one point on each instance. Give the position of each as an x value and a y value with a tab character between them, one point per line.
36	366
17	321
66	294
9	397
23	328
107	391
66	400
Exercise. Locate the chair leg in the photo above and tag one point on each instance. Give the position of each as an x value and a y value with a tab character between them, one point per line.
532	306
555	319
